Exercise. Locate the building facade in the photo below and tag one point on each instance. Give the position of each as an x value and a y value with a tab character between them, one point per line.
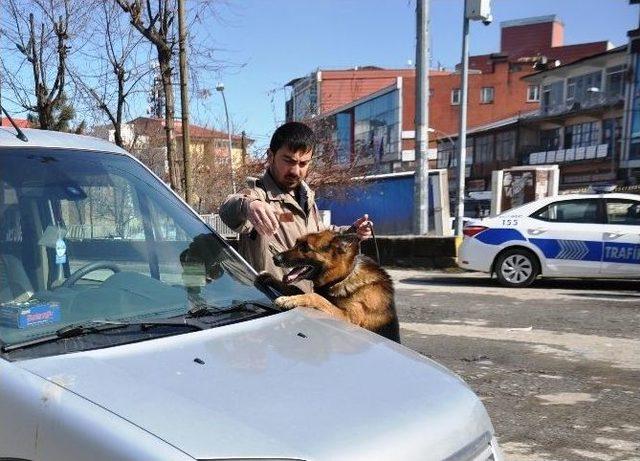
371	111
630	161
580	122
578	126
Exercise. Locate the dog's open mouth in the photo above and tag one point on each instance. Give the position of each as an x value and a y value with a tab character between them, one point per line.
297	273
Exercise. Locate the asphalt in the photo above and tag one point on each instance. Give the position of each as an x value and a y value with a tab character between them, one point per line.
557	364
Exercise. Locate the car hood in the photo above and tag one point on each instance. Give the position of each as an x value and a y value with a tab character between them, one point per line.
293	385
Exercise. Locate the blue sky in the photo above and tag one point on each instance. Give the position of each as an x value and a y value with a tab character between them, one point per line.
268	42
278	40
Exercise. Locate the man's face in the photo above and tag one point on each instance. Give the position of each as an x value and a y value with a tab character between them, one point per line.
289	168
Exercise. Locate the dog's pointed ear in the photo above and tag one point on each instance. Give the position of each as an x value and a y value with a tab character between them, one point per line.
344	242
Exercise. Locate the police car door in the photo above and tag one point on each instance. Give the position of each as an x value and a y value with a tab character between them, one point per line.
621	253
569	234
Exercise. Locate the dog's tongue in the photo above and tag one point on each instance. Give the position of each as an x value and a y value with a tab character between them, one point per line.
294	274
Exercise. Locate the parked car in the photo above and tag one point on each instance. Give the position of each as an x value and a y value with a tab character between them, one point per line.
129	330
594	235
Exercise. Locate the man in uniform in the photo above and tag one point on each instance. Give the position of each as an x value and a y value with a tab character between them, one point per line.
281	207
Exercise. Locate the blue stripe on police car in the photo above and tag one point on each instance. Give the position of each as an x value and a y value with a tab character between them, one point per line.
499	236
578	250
625	253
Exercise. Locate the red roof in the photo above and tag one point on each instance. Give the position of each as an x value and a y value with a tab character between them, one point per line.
22	123
147	123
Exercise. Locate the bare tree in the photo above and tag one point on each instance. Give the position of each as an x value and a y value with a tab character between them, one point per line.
333	164
41	33
114	48
156	25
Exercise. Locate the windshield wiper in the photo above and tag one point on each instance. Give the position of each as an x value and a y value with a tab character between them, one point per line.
98	326
201	309
68	331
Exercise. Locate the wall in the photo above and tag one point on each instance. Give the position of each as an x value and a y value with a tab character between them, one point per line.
388	202
340	87
510	98
406	251
529	39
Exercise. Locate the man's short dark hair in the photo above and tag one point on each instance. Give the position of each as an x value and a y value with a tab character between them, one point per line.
294	135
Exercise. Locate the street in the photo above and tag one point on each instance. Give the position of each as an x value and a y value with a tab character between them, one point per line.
557	364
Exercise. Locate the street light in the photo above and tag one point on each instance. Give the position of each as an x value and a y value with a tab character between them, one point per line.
220	88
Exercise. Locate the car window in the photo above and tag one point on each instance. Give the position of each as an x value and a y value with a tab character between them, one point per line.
570	211
87	237
620	211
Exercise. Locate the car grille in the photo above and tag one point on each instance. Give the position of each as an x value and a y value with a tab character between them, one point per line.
478	450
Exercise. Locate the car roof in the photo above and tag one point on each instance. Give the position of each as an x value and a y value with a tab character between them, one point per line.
56	139
533	206
586	196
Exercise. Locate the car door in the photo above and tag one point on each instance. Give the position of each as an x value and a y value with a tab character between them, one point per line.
621	237
569	234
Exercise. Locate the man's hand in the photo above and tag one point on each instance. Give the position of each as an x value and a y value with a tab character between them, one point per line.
263	217
363	227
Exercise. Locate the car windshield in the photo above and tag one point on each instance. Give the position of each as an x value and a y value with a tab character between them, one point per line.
93	237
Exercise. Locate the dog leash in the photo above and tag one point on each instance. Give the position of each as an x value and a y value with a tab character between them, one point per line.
375	243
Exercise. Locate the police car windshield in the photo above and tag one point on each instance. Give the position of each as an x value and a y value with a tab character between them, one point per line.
89	236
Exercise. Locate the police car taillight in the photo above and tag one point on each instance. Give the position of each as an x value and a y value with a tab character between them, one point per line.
470	231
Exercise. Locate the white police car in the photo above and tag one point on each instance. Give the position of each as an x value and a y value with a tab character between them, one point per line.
594	235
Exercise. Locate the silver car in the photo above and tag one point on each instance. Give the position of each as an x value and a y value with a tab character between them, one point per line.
130	331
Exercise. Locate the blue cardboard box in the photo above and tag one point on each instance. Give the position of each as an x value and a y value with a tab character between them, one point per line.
29	314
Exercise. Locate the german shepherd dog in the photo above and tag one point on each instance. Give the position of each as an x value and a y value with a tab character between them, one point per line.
347	285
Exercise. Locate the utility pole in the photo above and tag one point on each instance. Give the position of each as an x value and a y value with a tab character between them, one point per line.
472	10
421	176
184	100
462	132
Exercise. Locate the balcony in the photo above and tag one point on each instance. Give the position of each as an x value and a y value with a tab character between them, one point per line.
593	102
574	154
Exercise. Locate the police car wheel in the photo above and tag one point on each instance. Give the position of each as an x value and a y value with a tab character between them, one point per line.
516	268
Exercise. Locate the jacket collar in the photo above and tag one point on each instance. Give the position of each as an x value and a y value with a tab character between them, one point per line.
274	193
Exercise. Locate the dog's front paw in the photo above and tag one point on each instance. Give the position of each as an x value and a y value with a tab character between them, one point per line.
287	302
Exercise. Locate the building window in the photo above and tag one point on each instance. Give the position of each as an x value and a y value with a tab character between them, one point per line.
305	98
506	145
455	96
376	126
634	147
533	93
550	139
612	135
582	135
344	130
446	154
552	96
486	95
615	81
484	149
581	89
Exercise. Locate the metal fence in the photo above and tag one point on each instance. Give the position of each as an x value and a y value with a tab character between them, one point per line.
214	221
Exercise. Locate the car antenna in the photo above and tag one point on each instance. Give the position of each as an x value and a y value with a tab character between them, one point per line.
21	136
